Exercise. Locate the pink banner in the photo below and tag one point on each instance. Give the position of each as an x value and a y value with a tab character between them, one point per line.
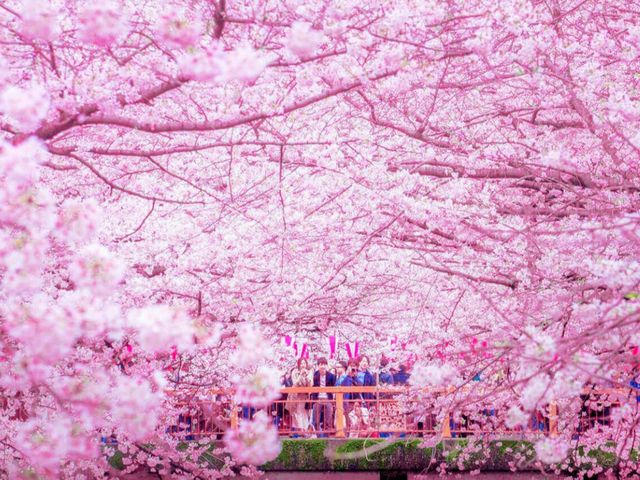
352	349
290	341
303	351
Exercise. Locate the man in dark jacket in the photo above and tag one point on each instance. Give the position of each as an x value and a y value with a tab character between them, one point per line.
402	377
385	377
350	380
365	377
322	402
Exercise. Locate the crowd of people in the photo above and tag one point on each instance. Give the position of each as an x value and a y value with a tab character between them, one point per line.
368	414
304	413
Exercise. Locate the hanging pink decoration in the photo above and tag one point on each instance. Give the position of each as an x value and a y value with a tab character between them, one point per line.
333	342
352	349
290	341
302	351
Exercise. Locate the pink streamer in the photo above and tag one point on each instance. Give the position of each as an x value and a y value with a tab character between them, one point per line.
352	349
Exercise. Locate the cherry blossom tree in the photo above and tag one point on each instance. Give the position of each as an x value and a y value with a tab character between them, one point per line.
184	180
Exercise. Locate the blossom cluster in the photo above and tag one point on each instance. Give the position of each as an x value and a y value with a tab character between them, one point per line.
257	385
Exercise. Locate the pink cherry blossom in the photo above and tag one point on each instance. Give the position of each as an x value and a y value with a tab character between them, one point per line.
434	375
516	417
550	450
212	64
18	166
179	27
303	39
254	442
79	220
259	388
102	24
159	328
201	64
22	260
244	64
253	349
25	107
539	345
134	397
41	328
96	268
537	391
20	202
45	443
41	19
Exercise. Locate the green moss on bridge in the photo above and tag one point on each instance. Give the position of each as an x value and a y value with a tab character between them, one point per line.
301	453
406	455
381	455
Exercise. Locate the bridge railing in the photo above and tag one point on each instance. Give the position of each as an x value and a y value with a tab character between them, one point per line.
375	411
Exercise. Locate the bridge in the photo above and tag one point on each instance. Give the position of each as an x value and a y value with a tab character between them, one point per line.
401	437
382	412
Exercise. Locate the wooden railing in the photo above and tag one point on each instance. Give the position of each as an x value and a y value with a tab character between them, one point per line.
391	411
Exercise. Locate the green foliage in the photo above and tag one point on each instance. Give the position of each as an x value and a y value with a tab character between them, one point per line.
475	454
182	446
503	449
603	458
212	461
355	445
116	460
399	455
300	453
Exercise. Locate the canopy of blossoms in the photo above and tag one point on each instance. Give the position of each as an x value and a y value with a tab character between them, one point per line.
185	182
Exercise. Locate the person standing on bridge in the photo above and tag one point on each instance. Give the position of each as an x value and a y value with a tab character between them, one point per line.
350	380
341	373
365	377
402	377
322	402
296	402
384	374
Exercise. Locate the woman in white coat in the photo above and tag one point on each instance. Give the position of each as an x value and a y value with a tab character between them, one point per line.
296	402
